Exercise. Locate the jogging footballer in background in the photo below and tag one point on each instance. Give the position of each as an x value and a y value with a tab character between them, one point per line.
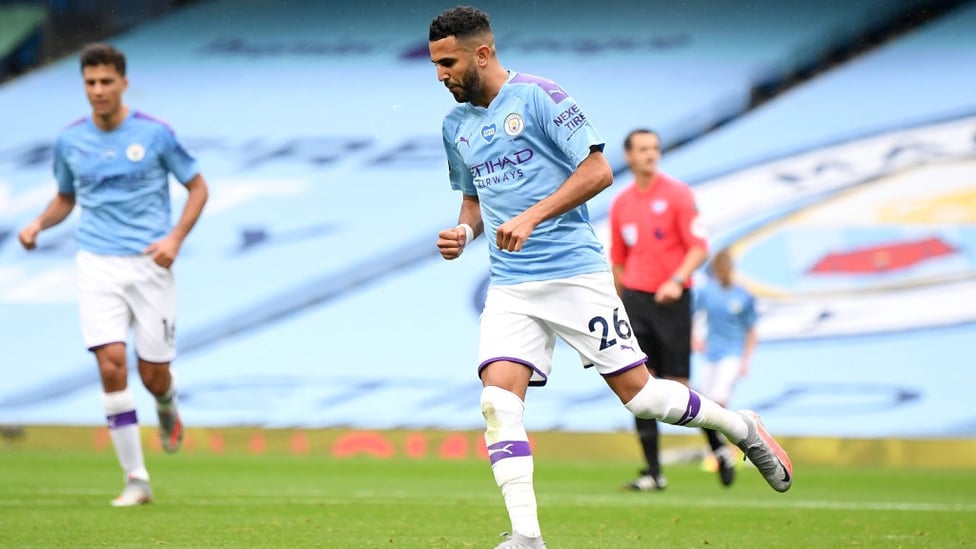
657	243
526	159
115	164
725	331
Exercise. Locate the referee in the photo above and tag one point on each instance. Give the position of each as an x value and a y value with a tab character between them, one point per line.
657	242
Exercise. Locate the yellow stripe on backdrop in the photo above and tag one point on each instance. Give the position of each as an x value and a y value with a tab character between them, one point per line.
619	447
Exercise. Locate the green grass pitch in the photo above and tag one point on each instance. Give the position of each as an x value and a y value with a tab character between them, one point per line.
60	499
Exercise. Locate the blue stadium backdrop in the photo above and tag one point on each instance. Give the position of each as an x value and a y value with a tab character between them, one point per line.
311	293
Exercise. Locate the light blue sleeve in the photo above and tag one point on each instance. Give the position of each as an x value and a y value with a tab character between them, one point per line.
175	158
62	171
566	124
458	171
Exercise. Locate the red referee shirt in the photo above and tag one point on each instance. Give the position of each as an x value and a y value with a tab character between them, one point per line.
652	230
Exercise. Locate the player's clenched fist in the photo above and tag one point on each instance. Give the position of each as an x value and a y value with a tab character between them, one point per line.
512	234
451	241
28	236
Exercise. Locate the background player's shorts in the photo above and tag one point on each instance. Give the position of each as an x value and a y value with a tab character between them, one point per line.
119	292
520	323
663	331
718	378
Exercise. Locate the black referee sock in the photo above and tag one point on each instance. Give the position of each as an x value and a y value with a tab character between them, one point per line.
647	431
715	440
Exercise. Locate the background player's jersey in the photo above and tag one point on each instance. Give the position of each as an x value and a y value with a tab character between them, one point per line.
121	181
513	154
730	312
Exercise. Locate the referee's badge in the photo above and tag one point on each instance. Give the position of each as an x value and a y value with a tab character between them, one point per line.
135	152
514	124
629	233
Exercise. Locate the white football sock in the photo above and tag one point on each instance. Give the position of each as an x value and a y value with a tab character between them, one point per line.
672	402
511	457
123	426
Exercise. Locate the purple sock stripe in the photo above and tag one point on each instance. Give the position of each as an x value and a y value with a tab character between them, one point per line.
508	449
691	412
124	419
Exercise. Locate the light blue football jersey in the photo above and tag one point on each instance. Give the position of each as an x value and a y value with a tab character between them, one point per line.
513	154
731	313
121	181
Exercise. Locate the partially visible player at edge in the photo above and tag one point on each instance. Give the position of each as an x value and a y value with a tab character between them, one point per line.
115	165
526	159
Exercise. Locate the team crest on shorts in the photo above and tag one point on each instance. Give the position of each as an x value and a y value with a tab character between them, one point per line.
514	124
135	152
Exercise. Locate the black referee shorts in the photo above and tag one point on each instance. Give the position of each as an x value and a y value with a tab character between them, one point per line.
663	331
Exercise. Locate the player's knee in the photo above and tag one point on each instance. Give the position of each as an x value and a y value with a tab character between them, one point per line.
501	408
114	378
156	380
661	399
111	364
627	384
153	385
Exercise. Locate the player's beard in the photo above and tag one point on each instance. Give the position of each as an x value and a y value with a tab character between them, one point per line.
471	86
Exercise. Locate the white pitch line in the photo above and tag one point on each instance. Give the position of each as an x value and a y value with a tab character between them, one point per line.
61	499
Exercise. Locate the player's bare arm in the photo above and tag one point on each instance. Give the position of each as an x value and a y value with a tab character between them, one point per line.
618	275
698	327
164	251
451	242
57	211
591	176
747	349
671	289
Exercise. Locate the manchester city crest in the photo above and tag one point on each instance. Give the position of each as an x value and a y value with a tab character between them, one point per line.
514	124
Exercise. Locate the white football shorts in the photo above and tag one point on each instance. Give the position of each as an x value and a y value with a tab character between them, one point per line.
117	293
520	323
718	378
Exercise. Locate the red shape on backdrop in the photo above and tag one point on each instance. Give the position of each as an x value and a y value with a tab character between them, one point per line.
453	447
257	444
299	444
415	445
883	258
363	443
100	440
216	442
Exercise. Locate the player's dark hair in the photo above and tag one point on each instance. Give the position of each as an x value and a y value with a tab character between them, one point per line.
460	22
102	54
628	141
